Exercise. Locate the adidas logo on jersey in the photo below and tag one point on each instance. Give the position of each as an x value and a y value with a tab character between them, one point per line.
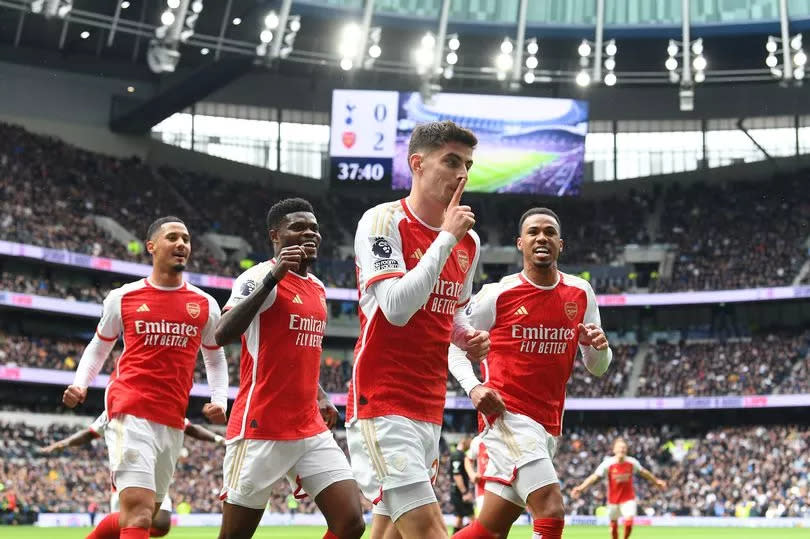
521	311
417	254
144	308
297	299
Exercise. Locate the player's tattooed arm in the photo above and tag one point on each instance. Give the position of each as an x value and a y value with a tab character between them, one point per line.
646	474
585	485
199	432
84	436
235	321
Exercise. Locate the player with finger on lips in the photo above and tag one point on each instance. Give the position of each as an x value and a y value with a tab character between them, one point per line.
416	259
536	319
281	418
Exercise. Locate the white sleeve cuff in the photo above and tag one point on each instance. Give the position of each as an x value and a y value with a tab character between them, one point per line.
596	361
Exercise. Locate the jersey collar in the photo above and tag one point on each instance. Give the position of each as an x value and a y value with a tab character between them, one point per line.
525	279
411	215
166	288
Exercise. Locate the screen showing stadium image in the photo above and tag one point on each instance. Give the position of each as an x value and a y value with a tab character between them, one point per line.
525	144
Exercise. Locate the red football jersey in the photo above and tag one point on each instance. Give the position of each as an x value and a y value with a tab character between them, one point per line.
163	329
403	370
619	478
281	359
534	339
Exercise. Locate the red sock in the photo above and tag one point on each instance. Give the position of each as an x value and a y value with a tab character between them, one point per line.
628	527
134	533
330	535
614	529
476	530
157	532
107	528
548	528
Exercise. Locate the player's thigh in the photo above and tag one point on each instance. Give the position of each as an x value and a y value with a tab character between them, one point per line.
628	509
132	452
500	509
170	444
321	464
252	467
613	511
392	451
537	483
422	522
382	527
239	522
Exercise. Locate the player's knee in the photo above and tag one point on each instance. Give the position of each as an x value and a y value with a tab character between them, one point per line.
161	524
139	516
352	527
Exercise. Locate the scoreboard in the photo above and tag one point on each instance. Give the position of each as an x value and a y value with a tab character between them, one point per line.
363	136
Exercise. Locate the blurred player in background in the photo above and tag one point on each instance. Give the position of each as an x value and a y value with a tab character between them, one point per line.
281	419
416	259
475	462
162	521
165	322
619	470
461	491
536	319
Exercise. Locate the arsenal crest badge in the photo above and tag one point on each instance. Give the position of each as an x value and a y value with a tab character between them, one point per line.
571	310
463	260
193	309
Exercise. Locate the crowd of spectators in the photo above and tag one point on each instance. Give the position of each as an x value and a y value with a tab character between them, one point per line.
740	235
751	470
763	364
727	236
760	365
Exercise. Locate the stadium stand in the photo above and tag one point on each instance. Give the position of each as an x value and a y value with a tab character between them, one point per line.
719	470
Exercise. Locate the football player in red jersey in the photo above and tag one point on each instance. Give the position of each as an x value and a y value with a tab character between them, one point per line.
619	470
281	418
164	322
162	521
416	259
536	320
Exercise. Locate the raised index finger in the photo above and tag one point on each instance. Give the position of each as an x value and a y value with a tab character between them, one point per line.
457	195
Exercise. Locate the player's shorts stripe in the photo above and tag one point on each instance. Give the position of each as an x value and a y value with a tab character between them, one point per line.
233	473
108	339
242	453
215	347
509	438
118	428
369	432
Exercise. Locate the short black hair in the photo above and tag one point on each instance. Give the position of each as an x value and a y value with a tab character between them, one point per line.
538	211
282	208
433	135
155	226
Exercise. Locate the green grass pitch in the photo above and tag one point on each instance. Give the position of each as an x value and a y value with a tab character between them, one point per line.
520	532
502	167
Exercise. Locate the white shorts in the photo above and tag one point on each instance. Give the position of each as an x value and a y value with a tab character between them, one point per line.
166	504
252	467
626	509
520	458
142	453
390	452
